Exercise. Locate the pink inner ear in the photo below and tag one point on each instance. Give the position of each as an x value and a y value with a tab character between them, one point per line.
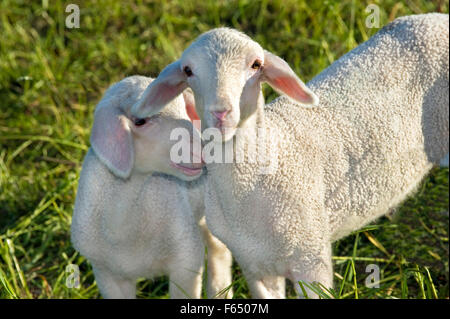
280	76
121	141
290	86
165	93
189	101
169	83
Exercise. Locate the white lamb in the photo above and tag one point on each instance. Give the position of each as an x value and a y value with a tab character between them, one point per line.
381	124
131	223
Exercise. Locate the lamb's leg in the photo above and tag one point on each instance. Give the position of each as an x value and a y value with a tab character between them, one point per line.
276	286
186	276
219	266
269	287
258	290
112	286
313	267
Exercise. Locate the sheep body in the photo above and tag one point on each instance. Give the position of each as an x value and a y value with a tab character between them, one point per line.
381	124
379	142
346	163
136	242
145	225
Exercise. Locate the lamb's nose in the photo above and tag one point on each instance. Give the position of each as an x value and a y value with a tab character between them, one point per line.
220	115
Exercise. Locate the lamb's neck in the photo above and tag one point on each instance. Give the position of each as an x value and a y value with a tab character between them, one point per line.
134	184
255	121
247	135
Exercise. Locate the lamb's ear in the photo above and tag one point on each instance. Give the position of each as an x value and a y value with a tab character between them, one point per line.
168	85
189	101
112	140
278	74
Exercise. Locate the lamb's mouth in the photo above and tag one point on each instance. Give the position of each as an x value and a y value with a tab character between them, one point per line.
189	171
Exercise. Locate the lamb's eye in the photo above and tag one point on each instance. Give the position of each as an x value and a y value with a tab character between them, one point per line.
256	65
188	71
140	122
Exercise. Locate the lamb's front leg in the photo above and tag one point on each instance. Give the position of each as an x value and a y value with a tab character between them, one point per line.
218	266
276	286
268	287
112	286
185	273
219	269
312	266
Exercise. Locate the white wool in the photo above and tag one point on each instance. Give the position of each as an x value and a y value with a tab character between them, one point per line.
381	124
148	224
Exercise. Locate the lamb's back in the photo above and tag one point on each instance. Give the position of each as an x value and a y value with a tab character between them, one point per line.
381	123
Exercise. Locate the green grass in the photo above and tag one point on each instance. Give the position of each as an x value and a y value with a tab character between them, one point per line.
52	77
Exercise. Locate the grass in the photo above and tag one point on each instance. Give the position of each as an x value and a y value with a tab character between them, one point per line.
51	78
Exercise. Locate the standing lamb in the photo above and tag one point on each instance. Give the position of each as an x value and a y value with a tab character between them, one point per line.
131	223
381	124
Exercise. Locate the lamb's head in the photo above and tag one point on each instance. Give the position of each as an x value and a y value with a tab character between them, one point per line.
225	69
127	144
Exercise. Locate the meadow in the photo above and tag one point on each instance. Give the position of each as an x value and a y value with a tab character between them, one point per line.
52	76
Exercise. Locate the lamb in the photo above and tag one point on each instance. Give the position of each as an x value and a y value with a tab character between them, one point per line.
380	125
130	222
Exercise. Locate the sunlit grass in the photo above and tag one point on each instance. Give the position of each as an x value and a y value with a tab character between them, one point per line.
51	78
